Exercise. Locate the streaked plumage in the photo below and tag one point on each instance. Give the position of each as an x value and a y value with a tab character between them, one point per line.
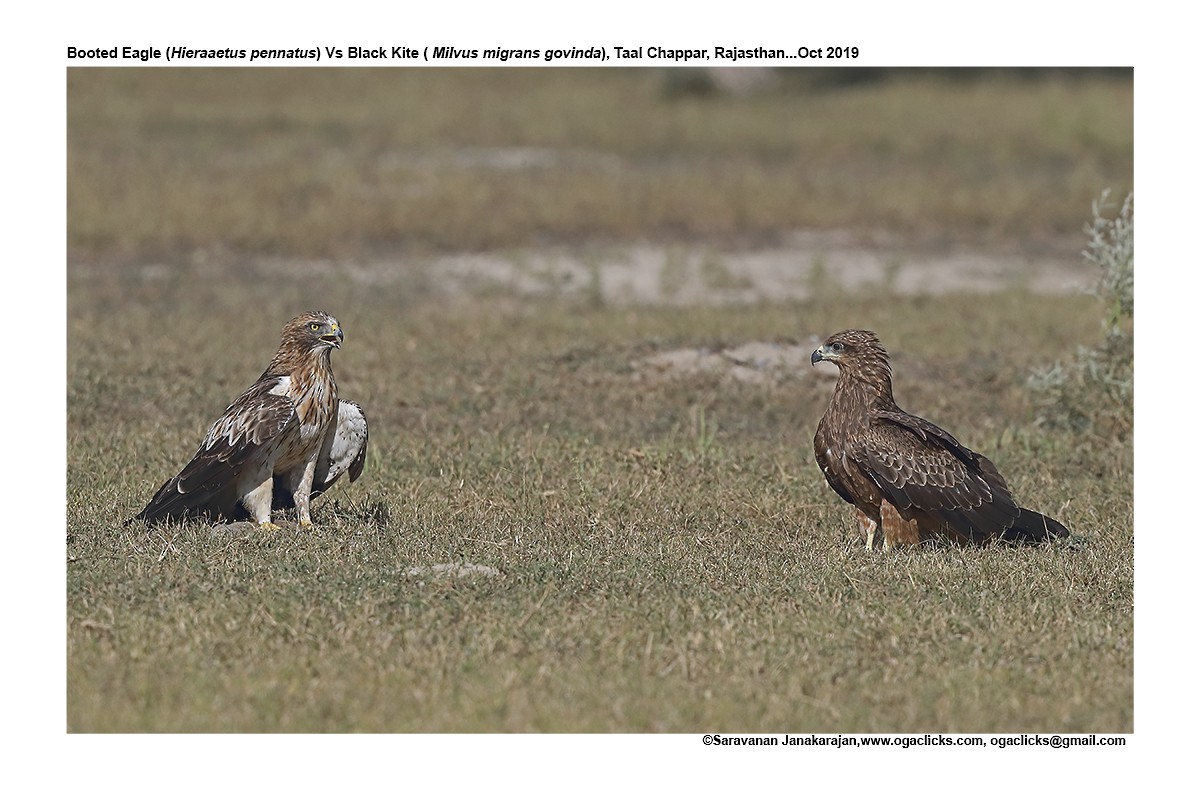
279	437
908	479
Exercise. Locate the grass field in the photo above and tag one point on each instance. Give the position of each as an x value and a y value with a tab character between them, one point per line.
662	552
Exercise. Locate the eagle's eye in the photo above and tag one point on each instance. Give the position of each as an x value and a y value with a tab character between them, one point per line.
837	347
312	326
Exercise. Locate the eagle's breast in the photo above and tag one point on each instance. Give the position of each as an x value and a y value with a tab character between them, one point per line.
314	393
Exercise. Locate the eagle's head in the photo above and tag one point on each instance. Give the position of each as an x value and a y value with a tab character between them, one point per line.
314	330
851	347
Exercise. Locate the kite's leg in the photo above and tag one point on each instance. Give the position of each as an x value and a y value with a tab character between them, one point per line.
868	526
897	531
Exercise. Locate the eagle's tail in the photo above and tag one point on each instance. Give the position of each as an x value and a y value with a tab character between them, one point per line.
171	504
1030	527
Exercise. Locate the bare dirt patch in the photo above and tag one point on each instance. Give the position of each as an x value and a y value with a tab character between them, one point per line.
750	362
808	263
452	571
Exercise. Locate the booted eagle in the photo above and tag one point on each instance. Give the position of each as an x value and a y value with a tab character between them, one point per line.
904	475
285	440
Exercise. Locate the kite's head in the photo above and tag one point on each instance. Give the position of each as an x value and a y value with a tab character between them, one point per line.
850	346
314	330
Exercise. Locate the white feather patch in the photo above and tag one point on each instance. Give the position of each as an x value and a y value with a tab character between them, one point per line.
342	445
282	387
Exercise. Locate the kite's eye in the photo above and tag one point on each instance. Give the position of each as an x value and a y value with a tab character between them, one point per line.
837	347
312	326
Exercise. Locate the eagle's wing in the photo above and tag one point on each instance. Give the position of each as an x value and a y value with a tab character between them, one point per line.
344	448
235	443
922	469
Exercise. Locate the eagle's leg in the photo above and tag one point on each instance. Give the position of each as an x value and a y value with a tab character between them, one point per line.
300	482
258	500
868	526
897	531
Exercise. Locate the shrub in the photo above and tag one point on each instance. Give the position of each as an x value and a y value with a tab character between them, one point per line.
1094	392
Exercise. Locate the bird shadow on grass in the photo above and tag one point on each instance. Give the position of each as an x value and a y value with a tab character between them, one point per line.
375	513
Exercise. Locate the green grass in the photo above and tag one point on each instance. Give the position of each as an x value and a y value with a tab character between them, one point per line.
668	555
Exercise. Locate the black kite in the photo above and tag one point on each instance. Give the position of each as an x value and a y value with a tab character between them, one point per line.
906	477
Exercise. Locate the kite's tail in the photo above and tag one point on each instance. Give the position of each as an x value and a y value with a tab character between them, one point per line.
1030	527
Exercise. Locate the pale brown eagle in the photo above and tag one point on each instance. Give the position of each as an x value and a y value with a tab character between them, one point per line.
906	477
281	442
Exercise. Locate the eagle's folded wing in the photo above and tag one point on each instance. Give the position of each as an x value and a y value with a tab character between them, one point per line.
234	443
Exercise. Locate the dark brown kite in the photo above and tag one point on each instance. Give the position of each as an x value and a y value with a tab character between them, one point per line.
906	477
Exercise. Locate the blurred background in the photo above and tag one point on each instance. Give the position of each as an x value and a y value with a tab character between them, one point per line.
623	185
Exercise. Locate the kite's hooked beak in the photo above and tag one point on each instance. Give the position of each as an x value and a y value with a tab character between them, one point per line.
829	351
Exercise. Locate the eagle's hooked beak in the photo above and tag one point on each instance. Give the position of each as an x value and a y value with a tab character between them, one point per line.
335	337
817	355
